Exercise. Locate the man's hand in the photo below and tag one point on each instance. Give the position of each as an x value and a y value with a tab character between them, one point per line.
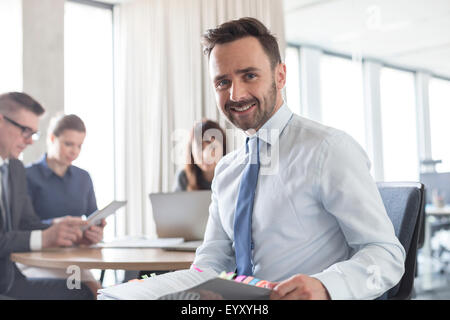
299	287
64	232
93	234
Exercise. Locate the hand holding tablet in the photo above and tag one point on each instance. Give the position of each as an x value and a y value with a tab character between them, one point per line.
96	217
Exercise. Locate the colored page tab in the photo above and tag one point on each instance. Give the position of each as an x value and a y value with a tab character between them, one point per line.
240	278
262	283
254	281
230	275
247	280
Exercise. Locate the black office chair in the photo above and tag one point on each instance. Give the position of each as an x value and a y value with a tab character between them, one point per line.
405	206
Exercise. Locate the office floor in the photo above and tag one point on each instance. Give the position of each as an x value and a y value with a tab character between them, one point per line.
433	281
441	290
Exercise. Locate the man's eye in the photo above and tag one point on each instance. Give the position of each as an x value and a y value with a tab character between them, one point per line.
222	83
28	131
250	75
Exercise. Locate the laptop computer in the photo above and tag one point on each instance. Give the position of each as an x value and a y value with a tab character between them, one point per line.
181	215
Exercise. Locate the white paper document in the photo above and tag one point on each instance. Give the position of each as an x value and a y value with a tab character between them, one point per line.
185	285
140	242
157	287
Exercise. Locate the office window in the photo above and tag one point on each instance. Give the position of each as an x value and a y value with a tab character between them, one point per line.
11	45
399	125
439	95
293	79
89	93
342	96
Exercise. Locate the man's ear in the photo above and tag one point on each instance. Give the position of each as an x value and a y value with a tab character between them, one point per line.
280	75
2	120
52	138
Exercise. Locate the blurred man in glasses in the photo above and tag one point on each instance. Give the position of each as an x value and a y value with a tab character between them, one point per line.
20	228
27	132
16	136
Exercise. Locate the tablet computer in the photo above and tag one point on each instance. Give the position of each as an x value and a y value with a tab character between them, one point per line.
97	216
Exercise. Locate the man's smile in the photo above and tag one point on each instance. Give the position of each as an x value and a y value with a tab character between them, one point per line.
243	109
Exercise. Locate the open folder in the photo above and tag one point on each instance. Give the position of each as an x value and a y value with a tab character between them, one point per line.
192	284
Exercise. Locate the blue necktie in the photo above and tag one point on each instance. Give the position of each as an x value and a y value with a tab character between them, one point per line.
244	209
5	197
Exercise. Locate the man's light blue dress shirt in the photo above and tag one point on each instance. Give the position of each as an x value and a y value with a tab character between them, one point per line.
317	211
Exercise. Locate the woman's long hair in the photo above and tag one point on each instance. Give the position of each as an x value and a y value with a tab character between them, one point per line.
193	171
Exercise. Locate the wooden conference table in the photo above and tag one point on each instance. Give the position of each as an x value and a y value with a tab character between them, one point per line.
107	258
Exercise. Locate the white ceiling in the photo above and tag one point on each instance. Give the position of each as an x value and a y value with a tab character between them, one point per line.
409	33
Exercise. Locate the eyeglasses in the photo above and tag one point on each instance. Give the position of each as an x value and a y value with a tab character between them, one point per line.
27	132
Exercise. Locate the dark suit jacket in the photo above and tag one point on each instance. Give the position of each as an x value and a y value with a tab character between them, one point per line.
23	221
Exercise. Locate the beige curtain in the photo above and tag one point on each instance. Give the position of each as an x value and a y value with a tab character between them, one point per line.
163	87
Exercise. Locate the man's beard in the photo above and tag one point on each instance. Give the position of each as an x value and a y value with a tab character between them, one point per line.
261	114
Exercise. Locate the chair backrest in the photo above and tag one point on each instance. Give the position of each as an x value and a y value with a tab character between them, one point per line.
421	239
405	204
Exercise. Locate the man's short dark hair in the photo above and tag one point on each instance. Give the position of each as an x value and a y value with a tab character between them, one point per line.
237	29
21	99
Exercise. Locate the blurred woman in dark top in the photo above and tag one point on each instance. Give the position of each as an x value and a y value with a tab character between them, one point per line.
57	189
206	146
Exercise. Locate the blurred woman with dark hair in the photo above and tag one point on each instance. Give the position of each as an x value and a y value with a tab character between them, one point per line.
206	146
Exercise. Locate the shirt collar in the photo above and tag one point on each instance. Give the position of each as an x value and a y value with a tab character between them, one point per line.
46	169
277	122
44	166
2	161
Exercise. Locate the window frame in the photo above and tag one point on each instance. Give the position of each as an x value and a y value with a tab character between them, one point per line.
421	100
